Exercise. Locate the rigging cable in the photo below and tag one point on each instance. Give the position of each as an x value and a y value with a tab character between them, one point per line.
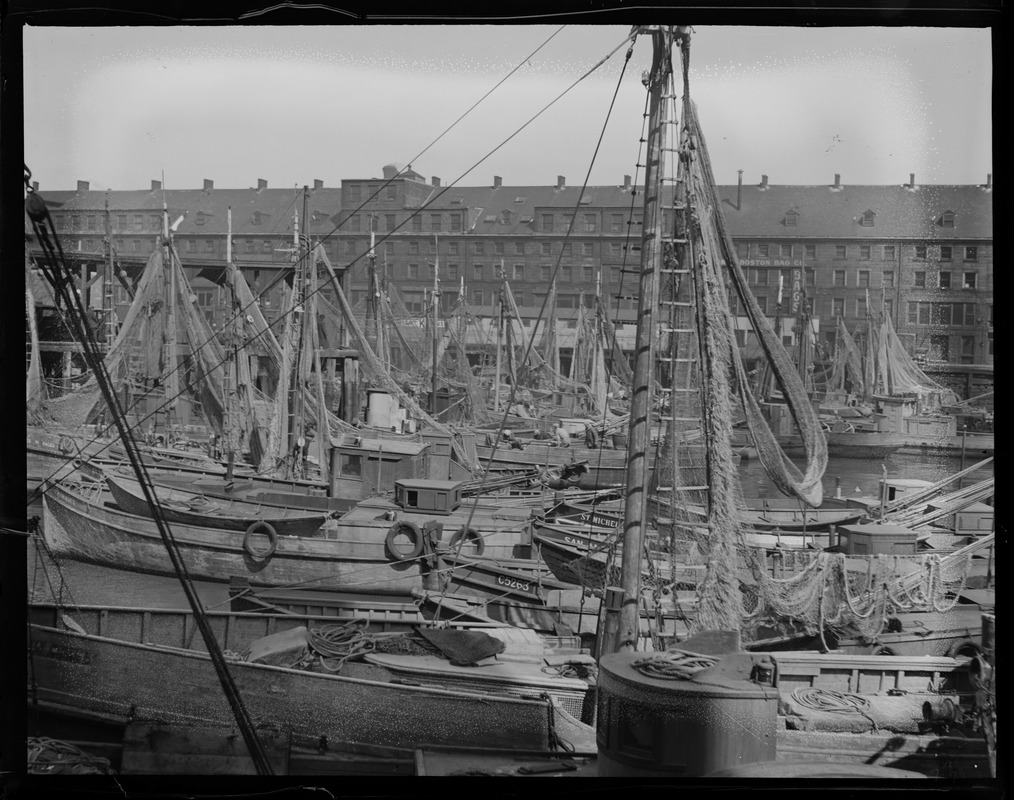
42	225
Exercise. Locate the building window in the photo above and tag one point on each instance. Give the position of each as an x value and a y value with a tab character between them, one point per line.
946	252
791	217
762	303
888	278
837	306
864	278
839	251
413	248
249	245
568	222
417	222
614	249
616	226
455	222
519	272
266	246
566	248
786	251
477	297
889	252
860	307
920	280
762	277
478	248
547	222
967	349
191	246
947	219
452	272
615	275
565	273
589	249
971	254
519	248
945	280
547	248
839	277
970	280
477	270
868	219
590	225
888	307
391	222
452	248
435	220
588	274
809	251
920	252
762	250
354	195
498	248
811	276
413	271
864	252
545	271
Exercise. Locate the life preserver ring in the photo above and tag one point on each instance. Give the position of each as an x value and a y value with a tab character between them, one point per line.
468	533
66	445
965	648
260	526
401	527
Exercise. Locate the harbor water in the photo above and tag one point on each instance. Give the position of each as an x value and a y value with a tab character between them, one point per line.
89	584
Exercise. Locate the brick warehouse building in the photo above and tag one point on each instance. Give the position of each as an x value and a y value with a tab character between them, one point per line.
924	253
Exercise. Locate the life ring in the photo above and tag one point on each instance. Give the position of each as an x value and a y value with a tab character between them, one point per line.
412	531
468	533
66	445
966	648
260	526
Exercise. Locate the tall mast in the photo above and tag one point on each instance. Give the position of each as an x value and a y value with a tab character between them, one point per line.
171	375
231	445
436	311
108	306
621	635
499	343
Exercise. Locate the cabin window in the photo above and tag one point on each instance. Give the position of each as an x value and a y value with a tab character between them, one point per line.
351	465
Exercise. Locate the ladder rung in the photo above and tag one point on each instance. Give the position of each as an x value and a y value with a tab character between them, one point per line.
675	303
677	330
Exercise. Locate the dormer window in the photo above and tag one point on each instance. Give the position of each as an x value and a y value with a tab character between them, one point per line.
505	217
868	219
791	218
256	218
946	219
201	218
520	200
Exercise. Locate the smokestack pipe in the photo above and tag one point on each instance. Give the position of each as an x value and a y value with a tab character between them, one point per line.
497	181
837	181
436	181
626	183
764	182
561	182
739	191
911	180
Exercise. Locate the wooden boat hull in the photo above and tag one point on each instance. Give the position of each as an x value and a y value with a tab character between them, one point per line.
230	515
349	557
116	675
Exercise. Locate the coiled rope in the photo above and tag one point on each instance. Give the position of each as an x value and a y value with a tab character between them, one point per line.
673	665
832	701
335	644
52	757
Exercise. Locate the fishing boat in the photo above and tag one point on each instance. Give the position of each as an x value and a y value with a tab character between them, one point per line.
198	510
115	664
382	548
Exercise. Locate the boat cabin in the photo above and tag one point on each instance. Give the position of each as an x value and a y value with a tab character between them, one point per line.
375	463
903	414
429	496
974	520
874	539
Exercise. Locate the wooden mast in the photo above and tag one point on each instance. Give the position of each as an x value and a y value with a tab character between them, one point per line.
435	302
621	630
171	374
231	445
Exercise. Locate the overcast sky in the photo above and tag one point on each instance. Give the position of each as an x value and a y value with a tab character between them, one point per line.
121	106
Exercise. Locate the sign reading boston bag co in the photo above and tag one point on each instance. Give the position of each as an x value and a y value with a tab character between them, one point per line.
772	262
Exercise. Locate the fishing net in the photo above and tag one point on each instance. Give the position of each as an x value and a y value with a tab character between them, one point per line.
897	374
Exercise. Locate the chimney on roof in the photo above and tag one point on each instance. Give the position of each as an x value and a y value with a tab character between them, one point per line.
156	185
739	190
837	181
497	181
764	182
626	183
911	180
261	184
989	181
35	185
561	182
436	181
208	185
82	186
318	183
